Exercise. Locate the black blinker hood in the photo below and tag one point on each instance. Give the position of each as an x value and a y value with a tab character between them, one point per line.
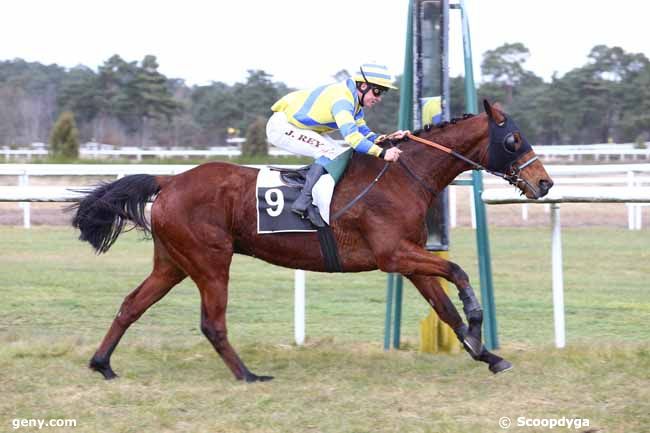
499	157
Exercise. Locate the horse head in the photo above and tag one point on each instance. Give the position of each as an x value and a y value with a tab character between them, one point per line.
510	156
491	142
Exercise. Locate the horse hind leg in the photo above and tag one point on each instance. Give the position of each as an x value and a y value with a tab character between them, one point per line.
472	340
472	336
163	277
208	264
214	299
435	295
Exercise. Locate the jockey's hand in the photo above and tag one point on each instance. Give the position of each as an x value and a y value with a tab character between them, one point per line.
398	135
392	154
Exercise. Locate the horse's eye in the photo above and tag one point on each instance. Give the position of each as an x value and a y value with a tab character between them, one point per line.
510	142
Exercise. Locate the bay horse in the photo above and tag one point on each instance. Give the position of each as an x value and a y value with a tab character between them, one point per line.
201	217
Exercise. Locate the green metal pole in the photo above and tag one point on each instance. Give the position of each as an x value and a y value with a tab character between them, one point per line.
389	310
397	325
485	265
395	282
471	105
482	239
405	120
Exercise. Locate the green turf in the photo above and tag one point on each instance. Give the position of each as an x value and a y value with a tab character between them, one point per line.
57	300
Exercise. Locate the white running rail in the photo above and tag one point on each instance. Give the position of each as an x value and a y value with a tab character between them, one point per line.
556	196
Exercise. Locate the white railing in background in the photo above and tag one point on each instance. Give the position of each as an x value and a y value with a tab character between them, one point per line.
622	152
630	175
31	194
606	152
556	196
138	153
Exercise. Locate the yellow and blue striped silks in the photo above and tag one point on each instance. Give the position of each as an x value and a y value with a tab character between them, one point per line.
328	108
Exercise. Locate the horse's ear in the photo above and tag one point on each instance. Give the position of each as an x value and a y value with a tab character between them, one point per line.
488	109
486	105
494	112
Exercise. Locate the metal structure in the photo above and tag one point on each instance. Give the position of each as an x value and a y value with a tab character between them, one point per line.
426	75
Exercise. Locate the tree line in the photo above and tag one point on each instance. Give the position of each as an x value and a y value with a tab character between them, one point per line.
132	103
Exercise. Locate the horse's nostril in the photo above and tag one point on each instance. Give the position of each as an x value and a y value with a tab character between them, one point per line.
545	185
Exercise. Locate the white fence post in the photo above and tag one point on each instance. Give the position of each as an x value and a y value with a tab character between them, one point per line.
558	284
524	212
472	210
452	207
634	215
630	213
637	207
299	307
23	181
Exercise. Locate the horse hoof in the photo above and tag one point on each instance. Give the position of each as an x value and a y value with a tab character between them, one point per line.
103	368
473	346
500	367
265	378
255	378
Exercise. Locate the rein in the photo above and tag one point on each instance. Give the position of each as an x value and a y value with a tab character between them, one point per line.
415	176
512	178
367	189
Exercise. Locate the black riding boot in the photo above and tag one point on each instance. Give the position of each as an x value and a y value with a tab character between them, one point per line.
304	199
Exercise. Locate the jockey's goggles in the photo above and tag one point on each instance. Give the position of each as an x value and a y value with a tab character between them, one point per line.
378	91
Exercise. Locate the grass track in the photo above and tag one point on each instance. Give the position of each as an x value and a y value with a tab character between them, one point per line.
57	300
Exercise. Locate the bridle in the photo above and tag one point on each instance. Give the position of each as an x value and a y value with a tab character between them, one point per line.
511	175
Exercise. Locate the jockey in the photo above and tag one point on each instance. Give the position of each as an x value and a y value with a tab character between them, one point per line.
302	120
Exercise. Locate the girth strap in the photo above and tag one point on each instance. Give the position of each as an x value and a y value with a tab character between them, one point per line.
329	249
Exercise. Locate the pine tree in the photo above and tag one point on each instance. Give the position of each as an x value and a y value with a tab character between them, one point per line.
151	96
64	140
255	144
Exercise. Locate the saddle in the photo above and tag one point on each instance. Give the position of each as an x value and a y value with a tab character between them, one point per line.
277	188
293	177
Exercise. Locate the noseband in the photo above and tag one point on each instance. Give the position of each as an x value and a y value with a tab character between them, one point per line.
511	176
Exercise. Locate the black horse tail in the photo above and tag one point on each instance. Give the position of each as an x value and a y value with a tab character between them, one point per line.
104	211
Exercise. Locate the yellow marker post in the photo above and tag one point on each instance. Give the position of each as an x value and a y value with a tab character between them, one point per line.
435	335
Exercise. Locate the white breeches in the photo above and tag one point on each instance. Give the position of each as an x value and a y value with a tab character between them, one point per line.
304	142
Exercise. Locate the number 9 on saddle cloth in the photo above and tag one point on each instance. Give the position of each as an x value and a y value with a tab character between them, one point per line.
278	188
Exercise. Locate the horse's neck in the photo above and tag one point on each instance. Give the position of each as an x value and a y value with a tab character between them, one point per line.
440	167
433	167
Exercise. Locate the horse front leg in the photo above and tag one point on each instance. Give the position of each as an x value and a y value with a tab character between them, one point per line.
421	267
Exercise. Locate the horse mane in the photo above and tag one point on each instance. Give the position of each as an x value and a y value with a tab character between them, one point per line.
429	126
